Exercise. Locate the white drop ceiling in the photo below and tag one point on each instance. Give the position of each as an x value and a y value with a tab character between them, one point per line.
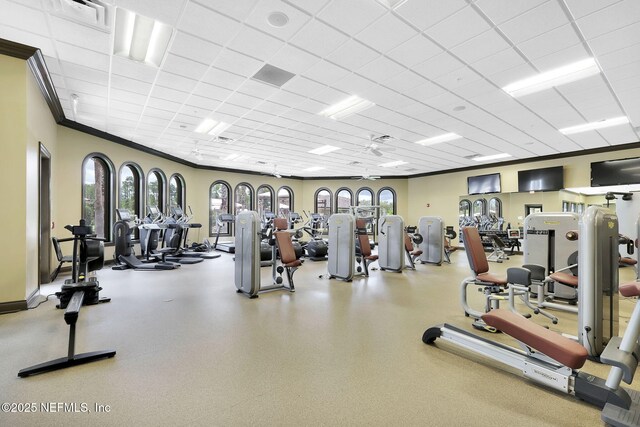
419	64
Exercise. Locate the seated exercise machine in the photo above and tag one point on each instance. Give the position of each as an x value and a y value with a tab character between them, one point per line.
552	359
449	236
364	257
342	246
432	230
247	256
124	254
412	239
598	296
61	258
81	289
391	247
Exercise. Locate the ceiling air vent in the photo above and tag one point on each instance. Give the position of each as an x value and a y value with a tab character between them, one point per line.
90	12
273	75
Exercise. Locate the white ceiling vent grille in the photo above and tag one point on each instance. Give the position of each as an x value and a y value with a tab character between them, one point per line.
273	75
90	12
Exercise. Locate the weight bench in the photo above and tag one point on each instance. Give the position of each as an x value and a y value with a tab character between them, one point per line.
498	254
72	359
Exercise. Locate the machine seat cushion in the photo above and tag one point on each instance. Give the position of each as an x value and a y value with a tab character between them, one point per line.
627	260
416	253
371	257
292	264
492	278
552	344
631	289
565	278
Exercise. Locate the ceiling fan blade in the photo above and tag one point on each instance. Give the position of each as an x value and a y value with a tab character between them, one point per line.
376	152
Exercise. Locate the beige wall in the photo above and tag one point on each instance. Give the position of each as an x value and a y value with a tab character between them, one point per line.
439	195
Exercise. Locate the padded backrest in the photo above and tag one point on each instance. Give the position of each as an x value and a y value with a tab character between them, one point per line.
285	246
280	224
408	244
363	237
474	249
56	248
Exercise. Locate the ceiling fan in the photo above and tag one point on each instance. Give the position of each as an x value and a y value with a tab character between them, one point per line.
366	177
275	172
377	146
196	152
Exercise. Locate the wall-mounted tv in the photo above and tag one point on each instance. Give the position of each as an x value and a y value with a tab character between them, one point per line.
547	179
483	184
615	172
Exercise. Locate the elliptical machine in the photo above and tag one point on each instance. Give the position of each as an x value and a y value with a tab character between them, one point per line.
81	289
316	247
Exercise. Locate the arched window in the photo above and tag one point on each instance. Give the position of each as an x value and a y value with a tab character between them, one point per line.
495	207
155	189
97	193
243	197
285	201
387	201
344	200
479	208
177	191
218	204
265	199
322	203
364	197
464	213
130	190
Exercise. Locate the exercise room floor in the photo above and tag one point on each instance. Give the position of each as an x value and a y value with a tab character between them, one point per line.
190	351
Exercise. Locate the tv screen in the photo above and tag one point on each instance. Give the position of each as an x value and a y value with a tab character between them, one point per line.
615	172
483	184
547	179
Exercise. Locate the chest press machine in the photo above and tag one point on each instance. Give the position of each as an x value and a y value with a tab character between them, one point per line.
554	360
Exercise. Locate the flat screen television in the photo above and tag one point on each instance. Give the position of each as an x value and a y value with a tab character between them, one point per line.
546	179
615	172
483	184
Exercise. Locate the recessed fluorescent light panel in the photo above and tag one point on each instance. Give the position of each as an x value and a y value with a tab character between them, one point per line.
212	127
313	169
556	77
392	164
438	139
595	125
491	157
324	149
140	38
352	105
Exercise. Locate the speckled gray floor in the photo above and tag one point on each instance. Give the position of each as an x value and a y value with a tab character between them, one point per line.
190	351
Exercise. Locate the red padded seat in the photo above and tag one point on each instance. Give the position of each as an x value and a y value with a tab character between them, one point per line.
629	290
565	278
554	345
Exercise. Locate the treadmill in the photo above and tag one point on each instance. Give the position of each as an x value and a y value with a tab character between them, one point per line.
178	214
229	247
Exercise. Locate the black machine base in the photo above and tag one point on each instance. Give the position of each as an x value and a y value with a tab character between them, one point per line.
616	416
66	362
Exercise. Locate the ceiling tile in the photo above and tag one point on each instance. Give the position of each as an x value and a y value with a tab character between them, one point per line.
293	59
131	85
77	55
255	43
80	35
562	57
425	13
498	62
404	81
415	50
175	81
194	48
351	17
318	38
386	33
169	94
207	24
352	55
260	14
183	66
610	18
620	57
17	15
458	28
550	42
325	72
381	69
237	63
167	12
581	8
499	11
537	21
80	72
438	66
481	46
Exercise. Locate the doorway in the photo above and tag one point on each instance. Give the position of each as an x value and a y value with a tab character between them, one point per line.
44	217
